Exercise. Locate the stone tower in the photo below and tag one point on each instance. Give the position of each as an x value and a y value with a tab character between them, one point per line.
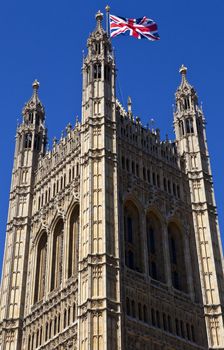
99	275
189	123
110	231
30	145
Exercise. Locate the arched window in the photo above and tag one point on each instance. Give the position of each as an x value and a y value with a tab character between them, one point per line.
50	329
73	242
29	342
155	247
177	257
28	140
40	342
181	126
31	117
189	126
59	323
40	268
56	273
97	68
37	339
97	48
46	332
186	102
133	239
65	318
55	325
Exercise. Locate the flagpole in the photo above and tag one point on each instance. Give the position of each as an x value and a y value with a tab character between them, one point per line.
107	19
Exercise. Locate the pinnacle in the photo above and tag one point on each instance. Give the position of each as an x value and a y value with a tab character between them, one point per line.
36	85
99	17
183	70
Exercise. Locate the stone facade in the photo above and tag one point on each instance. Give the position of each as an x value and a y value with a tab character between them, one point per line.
112	238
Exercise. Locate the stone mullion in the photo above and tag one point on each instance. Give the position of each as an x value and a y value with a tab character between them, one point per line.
144	242
166	250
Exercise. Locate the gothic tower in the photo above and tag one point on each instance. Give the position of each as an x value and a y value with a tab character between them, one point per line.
99	277
30	144
110	231
189	123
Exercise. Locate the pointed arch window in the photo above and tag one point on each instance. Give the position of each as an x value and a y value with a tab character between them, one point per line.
28	140
189	126
133	240
41	268
98	48
155	247
181	127
31	117
177	257
186	103
56	273
88	75
97	68
73	242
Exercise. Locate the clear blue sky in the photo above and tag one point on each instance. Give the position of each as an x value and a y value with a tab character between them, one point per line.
44	40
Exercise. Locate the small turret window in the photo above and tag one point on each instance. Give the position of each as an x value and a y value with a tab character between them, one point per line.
97	71
186	103
28	141
181	126
97	48
31	117
189	126
88	75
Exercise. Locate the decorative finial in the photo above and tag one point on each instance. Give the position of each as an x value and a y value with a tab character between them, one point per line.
68	128
129	105
99	18
152	123
183	70
77	120
36	85
107	8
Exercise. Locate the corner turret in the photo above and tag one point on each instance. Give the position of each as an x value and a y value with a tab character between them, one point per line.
189	124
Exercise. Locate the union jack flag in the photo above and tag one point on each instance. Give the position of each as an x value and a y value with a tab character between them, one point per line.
140	28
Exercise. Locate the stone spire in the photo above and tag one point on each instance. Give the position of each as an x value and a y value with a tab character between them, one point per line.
34	103
129	106
186	95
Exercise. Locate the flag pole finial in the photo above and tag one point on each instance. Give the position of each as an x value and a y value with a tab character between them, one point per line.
107	8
